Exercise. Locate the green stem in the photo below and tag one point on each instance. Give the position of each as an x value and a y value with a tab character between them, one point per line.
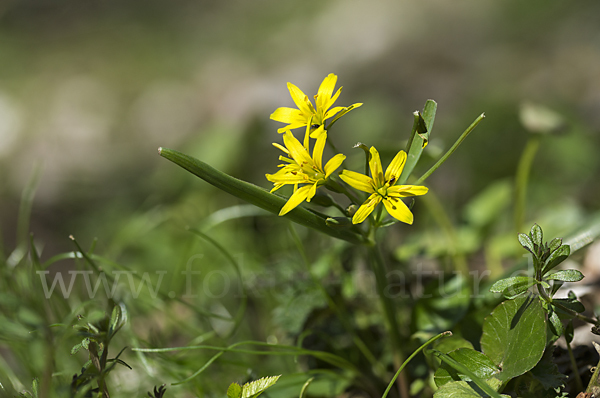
575	314
522	178
578	382
431	340
378	216
462	137
389	312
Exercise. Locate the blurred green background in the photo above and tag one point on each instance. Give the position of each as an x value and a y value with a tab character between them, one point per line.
90	90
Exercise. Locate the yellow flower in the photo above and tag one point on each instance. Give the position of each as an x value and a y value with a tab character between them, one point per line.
307	114
302	169
382	188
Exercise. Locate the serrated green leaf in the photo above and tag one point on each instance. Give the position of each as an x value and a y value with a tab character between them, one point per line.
527	243
556	257
475	361
463	389
257	387
256	195
568	275
537	235
514	286
514	336
234	391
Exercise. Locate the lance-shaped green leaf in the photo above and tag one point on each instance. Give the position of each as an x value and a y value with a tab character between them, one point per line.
117	319
419	137
555	244
536	234
556	257
527	243
571	303
234	391
568	275
513	287
256	195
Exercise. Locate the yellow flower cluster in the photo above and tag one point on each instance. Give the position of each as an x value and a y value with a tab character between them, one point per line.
306	172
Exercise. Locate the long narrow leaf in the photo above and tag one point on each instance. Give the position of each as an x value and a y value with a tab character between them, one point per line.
255	195
419	137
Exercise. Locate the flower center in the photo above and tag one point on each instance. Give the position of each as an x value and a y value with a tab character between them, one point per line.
382	190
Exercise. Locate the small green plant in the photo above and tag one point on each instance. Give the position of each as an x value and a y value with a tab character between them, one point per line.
96	340
251	389
519	334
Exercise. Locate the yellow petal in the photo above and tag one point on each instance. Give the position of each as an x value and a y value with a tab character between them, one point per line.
398	210
279	146
286	178
325	90
342	112
300	99
332	112
334	163
317	133
311	192
403	191
395	168
357	180
332	100
318	151
291	127
276	187
366	208
297	151
297	197
376	169
287	115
